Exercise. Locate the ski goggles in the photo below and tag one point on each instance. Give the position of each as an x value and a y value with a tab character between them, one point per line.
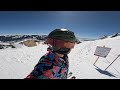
60	43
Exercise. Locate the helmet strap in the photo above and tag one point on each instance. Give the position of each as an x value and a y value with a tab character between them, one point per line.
54	42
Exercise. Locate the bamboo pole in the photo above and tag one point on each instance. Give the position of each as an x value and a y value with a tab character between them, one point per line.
113	61
96	60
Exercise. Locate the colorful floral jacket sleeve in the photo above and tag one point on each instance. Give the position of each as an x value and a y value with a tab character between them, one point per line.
50	66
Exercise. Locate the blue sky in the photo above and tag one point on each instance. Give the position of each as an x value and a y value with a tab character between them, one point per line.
85	24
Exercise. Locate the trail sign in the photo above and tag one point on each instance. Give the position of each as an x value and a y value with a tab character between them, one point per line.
102	51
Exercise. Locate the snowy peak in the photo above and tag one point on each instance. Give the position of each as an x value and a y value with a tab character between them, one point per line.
16	38
115	35
7	41
110	36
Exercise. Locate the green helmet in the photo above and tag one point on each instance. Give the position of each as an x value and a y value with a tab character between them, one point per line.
63	34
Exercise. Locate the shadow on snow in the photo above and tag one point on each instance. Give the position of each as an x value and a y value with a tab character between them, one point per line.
104	72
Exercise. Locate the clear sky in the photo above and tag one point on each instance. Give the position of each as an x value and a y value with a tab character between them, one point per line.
85	24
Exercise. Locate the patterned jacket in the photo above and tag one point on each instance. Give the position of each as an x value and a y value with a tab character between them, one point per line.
50	66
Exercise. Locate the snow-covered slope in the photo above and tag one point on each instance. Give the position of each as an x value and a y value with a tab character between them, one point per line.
17	63
82	58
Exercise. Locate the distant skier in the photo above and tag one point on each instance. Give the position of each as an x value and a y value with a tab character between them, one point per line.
55	64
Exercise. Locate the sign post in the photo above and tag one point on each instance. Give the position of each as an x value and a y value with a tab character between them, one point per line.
96	61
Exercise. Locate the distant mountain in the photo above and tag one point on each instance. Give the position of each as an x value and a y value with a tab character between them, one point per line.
115	35
110	36
16	38
7	41
103	37
84	39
